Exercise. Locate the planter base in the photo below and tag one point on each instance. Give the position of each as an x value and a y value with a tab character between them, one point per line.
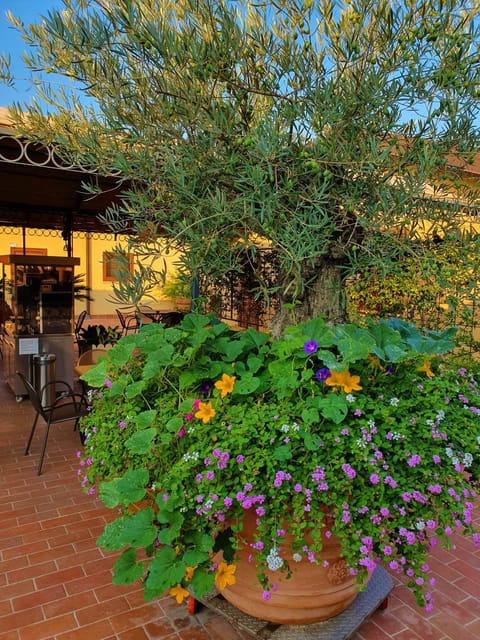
341	627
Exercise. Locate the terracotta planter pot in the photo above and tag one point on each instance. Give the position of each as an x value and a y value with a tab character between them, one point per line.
313	593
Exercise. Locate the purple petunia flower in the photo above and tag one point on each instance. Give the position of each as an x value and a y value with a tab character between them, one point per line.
322	374
310	347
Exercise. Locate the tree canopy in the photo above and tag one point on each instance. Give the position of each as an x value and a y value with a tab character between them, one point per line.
330	131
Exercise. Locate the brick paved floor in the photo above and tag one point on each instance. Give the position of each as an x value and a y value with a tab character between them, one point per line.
55	583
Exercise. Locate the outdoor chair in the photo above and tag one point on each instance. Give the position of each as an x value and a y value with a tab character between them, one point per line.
128	322
67	406
78	326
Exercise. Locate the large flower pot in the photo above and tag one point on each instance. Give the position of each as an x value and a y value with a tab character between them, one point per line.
315	592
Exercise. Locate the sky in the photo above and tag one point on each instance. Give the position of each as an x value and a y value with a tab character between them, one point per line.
12	43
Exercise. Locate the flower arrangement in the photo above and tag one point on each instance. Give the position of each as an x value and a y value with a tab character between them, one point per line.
192	425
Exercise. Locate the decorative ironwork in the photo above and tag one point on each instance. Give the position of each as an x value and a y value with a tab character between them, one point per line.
243	296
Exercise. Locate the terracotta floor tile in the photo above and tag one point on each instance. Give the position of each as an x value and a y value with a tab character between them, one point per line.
97	631
34	571
159	628
9	635
35	546
50	628
130	618
69	604
139	633
108	609
48	594
15	621
16	589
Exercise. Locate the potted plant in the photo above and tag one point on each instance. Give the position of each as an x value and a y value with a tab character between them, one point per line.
95	335
368	435
179	290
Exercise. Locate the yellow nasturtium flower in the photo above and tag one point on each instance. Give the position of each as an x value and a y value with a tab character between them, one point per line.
225	575
179	593
426	368
225	384
344	380
189	571
375	362
205	412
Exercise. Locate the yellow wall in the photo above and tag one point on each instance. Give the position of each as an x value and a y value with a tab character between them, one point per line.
90	249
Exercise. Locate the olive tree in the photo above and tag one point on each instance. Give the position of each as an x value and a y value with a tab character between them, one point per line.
335	132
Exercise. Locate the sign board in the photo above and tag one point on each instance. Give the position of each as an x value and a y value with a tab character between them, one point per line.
28	346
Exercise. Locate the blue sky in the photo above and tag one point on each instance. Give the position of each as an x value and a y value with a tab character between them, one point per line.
11	42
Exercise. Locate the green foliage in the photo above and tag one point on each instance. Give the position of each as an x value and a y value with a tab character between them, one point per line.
315	128
375	425
440	293
98	335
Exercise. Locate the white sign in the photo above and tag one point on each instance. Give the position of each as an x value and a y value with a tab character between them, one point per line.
27	346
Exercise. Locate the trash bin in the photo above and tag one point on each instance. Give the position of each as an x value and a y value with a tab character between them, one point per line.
43	372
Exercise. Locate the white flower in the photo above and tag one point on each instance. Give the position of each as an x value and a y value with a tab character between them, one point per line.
394	401
440	415
361	444
420	525
350	398
297	557
274	561
285	428
295	427
467	459
449	452
191	456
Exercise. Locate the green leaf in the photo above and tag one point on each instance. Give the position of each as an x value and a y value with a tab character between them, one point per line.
317	330
138	530
158	360
126	569
97	375
174	424
135	389
125	490
194	557
120	354
333	407
254	363
201	541
233	350
312	441
202	583
310	415
353	342
111	538
141	442
165	570
246	384
282	453
168	534
145	418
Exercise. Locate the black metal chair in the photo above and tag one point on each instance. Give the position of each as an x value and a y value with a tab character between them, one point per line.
67	406
128	322
78	326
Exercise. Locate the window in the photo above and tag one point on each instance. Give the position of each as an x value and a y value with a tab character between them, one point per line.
113	264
